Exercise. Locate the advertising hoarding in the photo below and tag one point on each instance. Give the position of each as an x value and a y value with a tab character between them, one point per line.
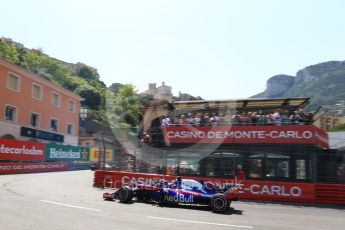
280	134
94	154
56	152
248	189
21	150
13	168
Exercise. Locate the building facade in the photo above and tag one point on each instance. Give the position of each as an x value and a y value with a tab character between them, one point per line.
35	109
158	93
329	121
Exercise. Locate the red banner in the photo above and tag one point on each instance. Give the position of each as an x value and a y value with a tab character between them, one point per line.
255	190
13	168
282	134
21	150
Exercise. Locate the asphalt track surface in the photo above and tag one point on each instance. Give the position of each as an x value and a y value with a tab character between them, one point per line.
67	201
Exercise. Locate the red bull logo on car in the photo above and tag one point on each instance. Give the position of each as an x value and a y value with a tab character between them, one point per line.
179	198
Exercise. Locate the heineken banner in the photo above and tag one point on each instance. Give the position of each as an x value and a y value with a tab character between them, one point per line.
56	152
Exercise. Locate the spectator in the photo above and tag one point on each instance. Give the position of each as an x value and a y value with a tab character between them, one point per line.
228	117
261	118
304	119
295	117
207	119
182	120
254	118
166	121
203	121
277	119
221	119
190	119
197	119
269	119
213	119
285	117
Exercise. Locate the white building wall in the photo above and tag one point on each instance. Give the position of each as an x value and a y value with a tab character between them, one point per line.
9	128
336	139
71	140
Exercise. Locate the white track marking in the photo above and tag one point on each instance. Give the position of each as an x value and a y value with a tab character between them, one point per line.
71	206
199	222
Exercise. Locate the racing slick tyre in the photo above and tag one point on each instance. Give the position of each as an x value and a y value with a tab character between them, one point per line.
219	203
125	194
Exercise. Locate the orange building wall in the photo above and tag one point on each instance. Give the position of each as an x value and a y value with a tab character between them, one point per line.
26	104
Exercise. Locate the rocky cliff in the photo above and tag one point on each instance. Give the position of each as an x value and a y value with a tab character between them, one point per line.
324	83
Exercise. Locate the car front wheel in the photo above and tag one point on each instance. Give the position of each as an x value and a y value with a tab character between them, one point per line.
125	194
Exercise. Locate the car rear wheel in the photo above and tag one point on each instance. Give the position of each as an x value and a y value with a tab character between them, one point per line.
125	194
219	203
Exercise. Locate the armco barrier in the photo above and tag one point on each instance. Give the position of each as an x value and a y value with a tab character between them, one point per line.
330	193
252	190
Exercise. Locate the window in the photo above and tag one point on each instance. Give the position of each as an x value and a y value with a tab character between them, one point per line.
301	169
11	113
335	122
54	125
37	92
13	82
277	168
70	129
56	100
35	119
228	167
255	168
212	168
229	163
71	106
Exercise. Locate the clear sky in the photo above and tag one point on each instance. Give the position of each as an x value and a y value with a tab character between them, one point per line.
213	49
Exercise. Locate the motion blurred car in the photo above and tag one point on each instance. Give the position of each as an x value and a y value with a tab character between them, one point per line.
184	191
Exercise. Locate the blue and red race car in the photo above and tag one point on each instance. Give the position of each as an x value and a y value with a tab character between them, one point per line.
185	191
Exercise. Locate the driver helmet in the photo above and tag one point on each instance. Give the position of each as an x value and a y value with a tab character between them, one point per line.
178	182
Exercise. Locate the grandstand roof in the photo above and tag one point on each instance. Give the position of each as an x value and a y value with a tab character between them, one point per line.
252	103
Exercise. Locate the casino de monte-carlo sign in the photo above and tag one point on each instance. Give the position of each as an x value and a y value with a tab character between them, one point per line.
279	134
56	152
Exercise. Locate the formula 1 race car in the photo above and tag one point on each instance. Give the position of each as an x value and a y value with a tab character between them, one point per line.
184	191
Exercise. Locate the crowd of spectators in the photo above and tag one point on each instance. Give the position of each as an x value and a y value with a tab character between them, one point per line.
274	117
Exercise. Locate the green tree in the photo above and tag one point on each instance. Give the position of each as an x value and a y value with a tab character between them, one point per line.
115	87
123	108
88	73
93	98
9	52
